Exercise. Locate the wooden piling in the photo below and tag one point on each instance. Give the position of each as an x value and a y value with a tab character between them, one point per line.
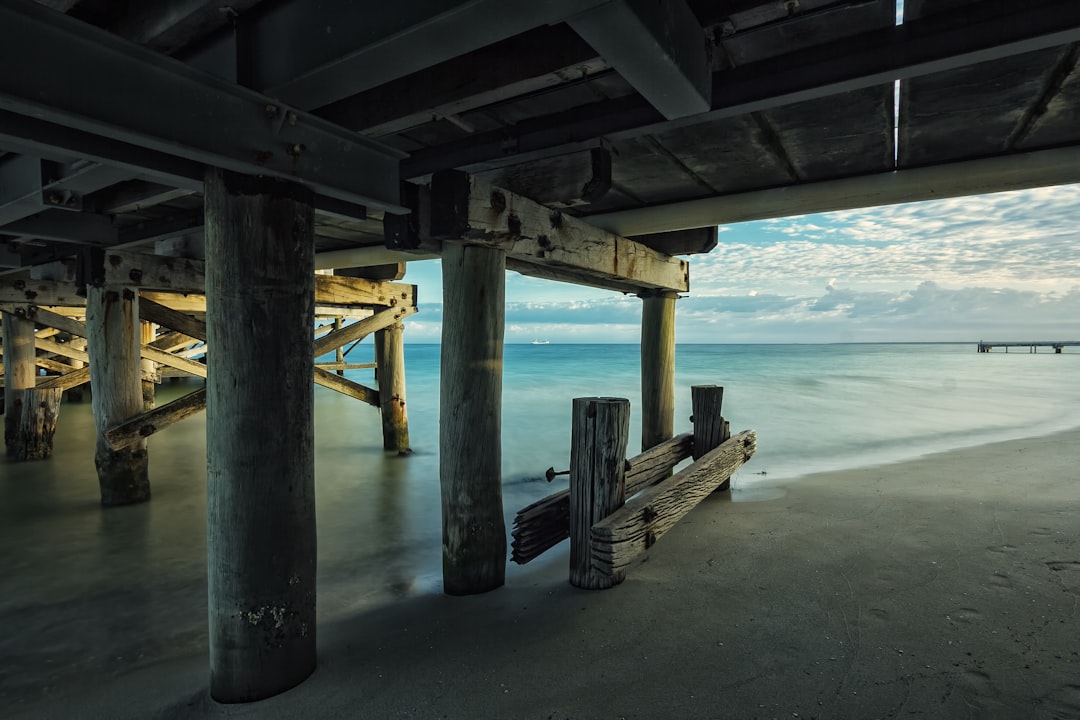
710	428
37	423
261	539
657	367
600	430
390	367
20	370
149	367
113	334
470	418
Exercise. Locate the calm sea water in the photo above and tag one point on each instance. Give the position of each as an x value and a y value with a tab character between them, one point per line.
137	576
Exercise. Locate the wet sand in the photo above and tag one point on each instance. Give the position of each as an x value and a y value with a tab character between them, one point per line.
945	587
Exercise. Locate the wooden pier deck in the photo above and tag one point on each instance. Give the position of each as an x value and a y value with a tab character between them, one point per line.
1033	346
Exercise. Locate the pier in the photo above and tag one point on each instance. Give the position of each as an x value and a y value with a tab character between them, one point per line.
1032	346
234	195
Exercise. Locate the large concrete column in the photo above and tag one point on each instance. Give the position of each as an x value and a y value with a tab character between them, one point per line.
657	368
19	372
113	334
470	418
260	311
390	366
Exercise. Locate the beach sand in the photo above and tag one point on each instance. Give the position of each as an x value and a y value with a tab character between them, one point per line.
945	587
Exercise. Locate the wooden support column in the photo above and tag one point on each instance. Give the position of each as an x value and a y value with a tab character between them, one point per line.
657	367
261	541
600	427
37	423
113	334
339	353
470	418
390	367
710	427
20	370
149	367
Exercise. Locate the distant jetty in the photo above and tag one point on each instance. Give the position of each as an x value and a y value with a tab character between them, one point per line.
1033	346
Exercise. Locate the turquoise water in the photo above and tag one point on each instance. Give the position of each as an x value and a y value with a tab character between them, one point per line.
815	407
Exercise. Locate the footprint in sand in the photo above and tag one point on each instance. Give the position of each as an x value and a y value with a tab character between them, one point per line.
1001	581
1001	548
1064	702
967	616
1041	531
980	687
1062	565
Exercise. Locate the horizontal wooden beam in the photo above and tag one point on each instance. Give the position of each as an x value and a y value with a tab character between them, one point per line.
341	290
46	317
191	367
155	312
622	538
40	292
533	236
1017	171
691	241
53	365
61	349
145	425
346	387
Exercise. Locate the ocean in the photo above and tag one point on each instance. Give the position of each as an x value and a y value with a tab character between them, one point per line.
75	574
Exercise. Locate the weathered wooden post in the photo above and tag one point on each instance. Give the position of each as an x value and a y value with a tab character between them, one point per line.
600	428
710	428
657	367
470	418
37	423
19	373
148	367
261	541
339	353
112	329
390	367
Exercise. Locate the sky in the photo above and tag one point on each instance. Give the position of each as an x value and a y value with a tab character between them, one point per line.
1004	266
992	267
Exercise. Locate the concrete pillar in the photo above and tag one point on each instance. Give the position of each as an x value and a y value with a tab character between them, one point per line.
470	418
113	334
260	303
20	372
657	368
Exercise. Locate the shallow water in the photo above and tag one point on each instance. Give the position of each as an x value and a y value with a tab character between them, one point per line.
87	590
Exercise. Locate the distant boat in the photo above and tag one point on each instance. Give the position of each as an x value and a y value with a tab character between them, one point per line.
540	342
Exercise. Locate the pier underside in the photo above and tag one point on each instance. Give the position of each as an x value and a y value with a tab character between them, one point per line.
192	167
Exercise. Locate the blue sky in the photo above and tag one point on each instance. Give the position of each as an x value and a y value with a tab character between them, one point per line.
1001	266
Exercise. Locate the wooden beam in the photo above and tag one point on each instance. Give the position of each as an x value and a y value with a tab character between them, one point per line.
191	367
623	537
346	387
1016	171
467	208
165	316
61	349
46	317
156	420
361	329
154	272
658	47
53	365
68	380
40	292
341	290
691	241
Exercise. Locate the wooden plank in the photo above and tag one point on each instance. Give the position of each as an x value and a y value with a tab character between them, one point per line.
346	387
172	341
191	303
345	366
622	538
66	381
691	241
467	208
156	420
40	292
363	328
546	523
341	290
